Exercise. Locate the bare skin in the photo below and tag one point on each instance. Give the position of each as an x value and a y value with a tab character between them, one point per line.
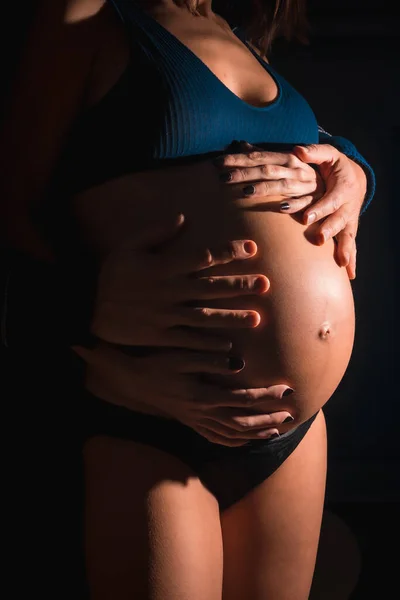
138	512
306	332
262	550
160	535
320	320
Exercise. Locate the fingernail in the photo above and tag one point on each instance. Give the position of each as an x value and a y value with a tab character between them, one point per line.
287	392
311	218
288	419
235	364
267	434
249	190
323	236
225	177
259	284
248	248
284	205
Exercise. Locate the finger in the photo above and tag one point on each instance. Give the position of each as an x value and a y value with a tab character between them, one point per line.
185	337
279	187
346	244
294	205
210	257
330	203
244	423
254	158
267	172
316	153
242	398
215	438
210	288
218	318
232	434
351	267
332	226
155	234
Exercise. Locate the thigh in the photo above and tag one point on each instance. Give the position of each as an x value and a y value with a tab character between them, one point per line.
270	537
152	530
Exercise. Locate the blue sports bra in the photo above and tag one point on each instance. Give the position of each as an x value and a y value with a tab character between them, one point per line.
168	106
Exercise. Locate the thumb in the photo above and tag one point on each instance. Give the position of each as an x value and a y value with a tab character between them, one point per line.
316	153
153	236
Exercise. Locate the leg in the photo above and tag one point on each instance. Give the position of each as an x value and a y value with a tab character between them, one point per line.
270	537
152	530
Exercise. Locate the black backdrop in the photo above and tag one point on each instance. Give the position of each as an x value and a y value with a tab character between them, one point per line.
350	74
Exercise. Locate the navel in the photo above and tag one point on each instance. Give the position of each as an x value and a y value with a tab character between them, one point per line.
325	332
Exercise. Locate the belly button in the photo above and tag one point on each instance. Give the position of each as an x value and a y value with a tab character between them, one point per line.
325	331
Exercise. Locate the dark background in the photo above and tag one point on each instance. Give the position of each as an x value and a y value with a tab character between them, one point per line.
350	74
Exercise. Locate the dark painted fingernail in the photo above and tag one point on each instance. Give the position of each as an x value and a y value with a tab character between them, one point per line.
249	190
236	364
259	284
225	177
288	419
284	205
273	436
287	392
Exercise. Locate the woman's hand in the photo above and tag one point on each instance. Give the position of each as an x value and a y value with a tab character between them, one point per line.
340	206
254	172
146	293
170	382
336	192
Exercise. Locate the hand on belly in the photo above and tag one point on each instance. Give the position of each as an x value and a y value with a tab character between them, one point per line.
306	333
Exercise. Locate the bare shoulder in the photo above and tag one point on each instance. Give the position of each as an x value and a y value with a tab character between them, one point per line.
72	11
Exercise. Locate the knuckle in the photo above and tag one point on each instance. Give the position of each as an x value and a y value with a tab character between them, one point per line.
255	155
231	159
249	397
233	250
244	423
335	203
292	161
303	175
245	283
263	188
268	170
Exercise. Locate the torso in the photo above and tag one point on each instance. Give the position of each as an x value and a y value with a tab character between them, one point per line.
307	330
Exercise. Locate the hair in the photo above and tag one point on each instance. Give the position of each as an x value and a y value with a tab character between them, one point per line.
263	21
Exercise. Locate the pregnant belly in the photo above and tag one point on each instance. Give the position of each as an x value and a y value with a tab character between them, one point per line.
306	334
